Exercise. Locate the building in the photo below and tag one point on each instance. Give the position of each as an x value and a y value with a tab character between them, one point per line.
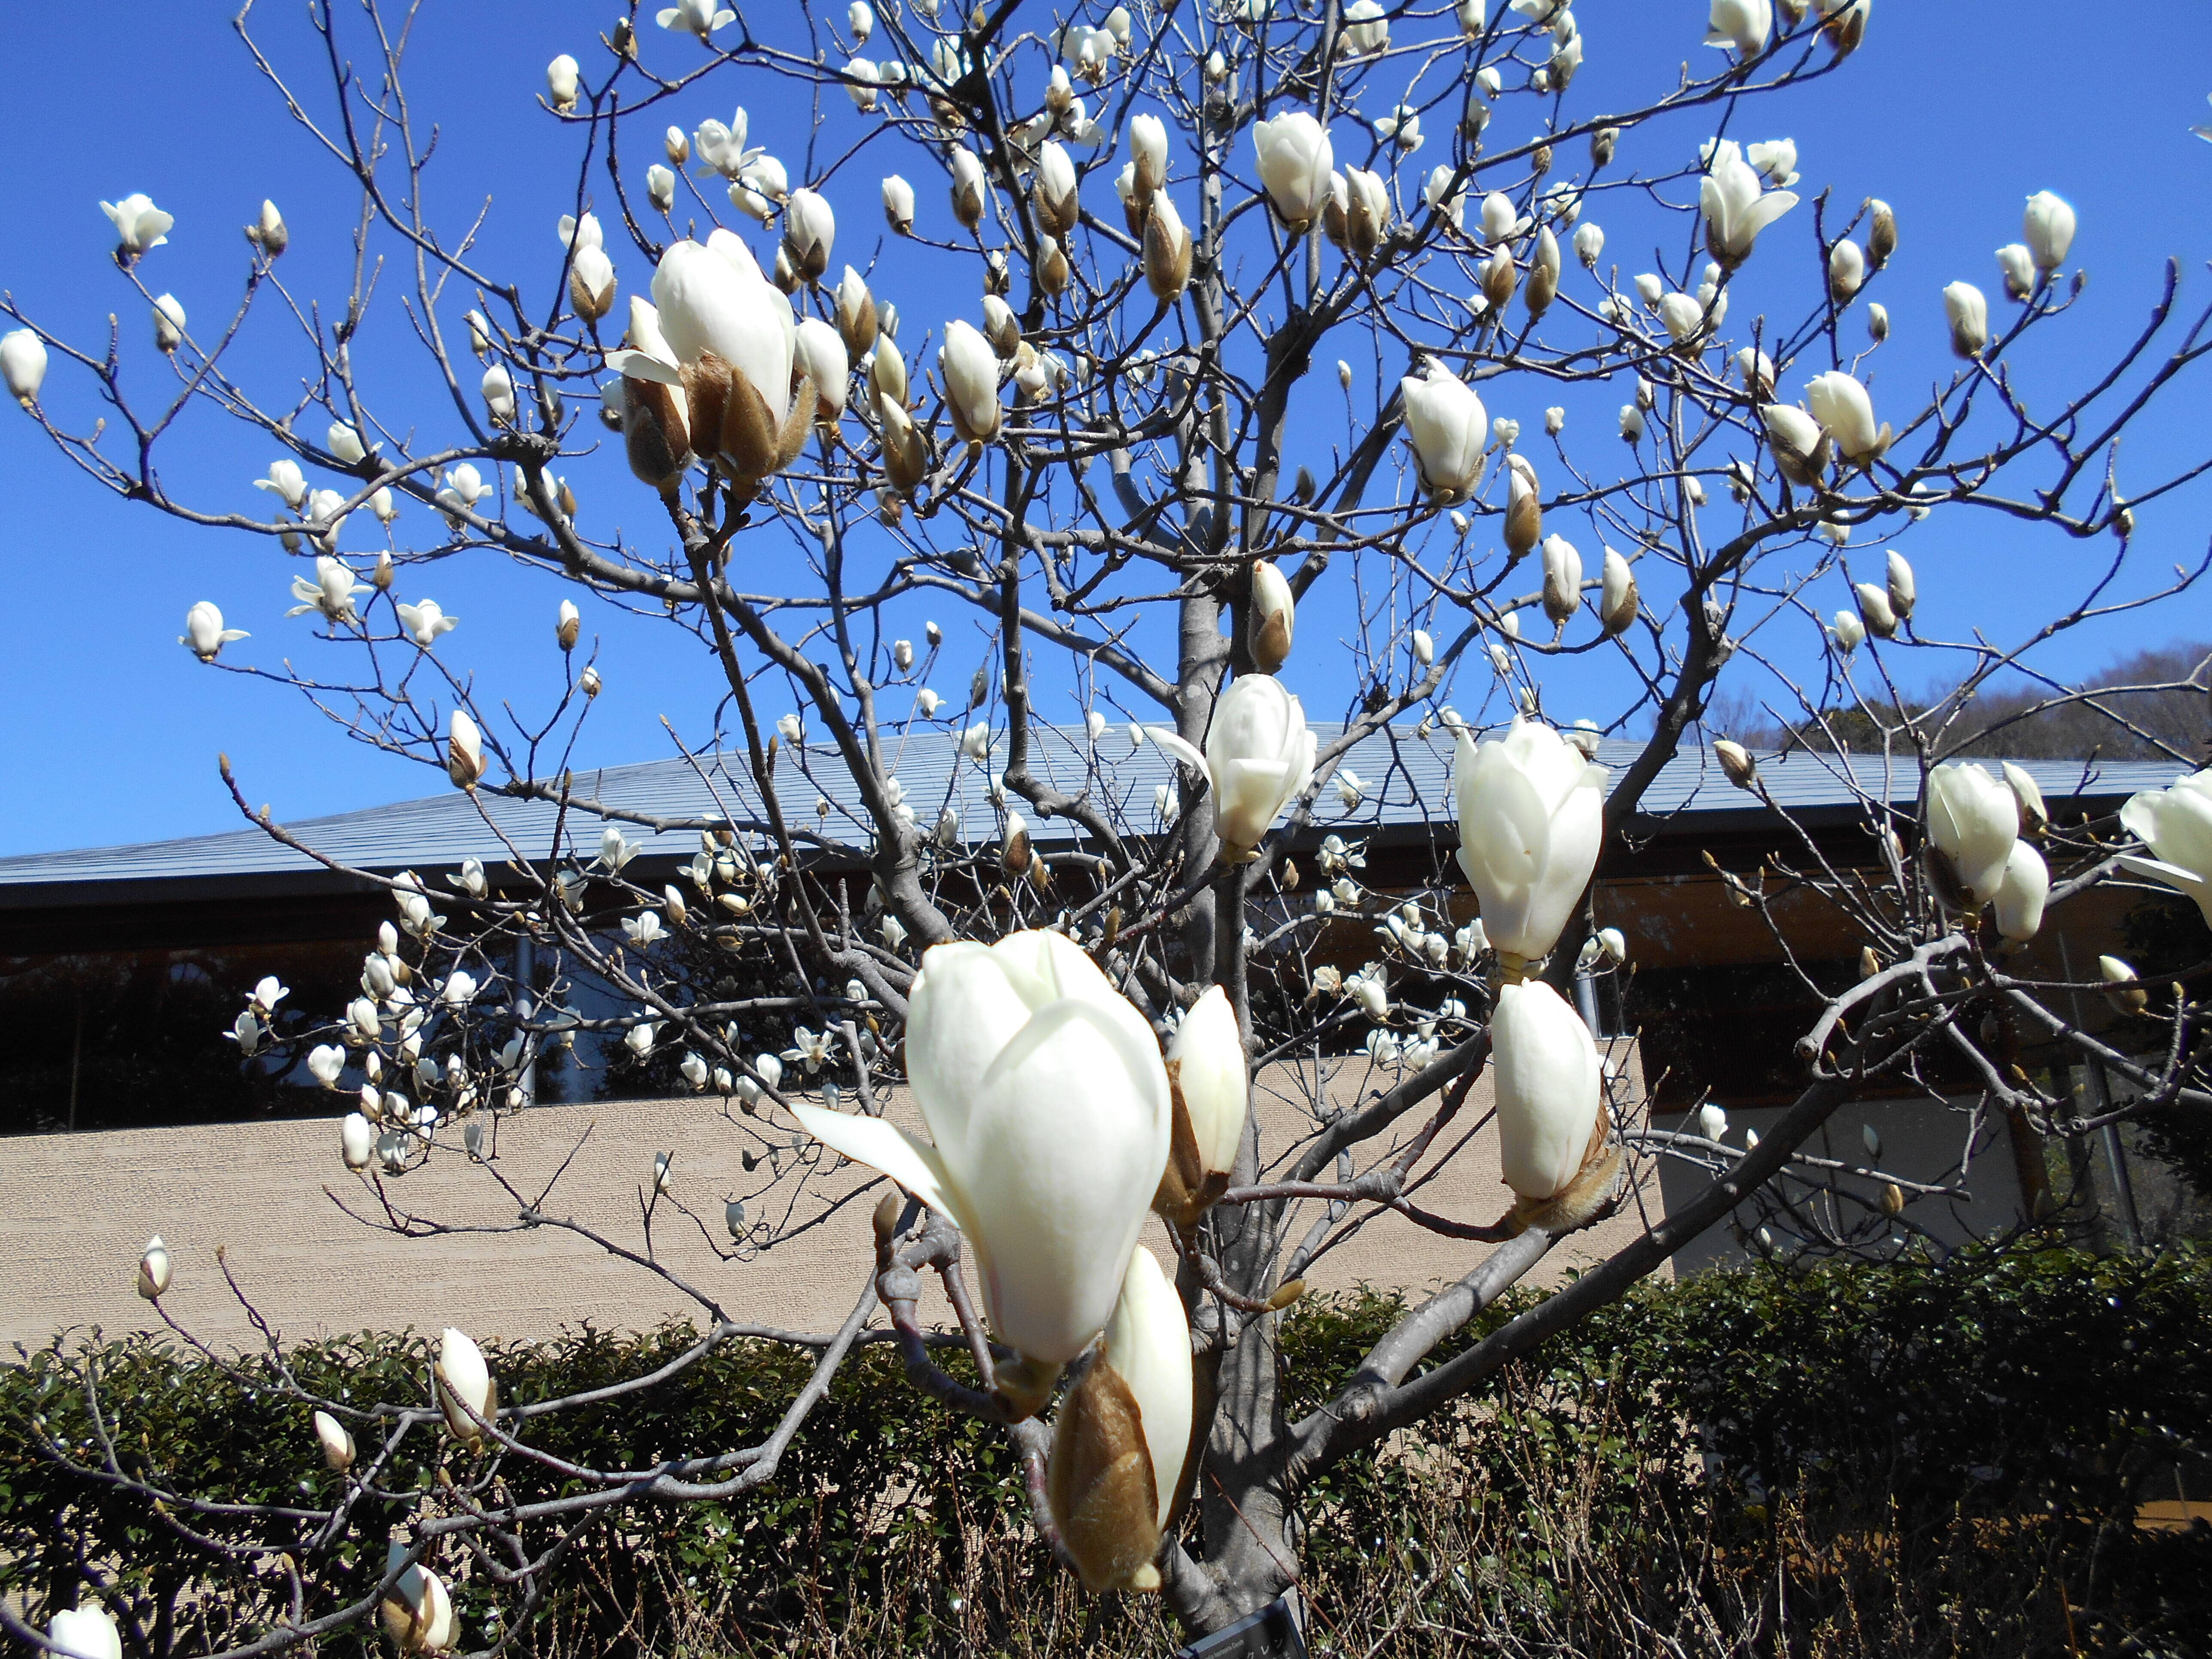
121	969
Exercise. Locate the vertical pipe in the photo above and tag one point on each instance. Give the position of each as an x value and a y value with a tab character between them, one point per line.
1586	999
525	964
2100	1102
76	1058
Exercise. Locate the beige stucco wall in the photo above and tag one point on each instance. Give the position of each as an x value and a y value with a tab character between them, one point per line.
76	1211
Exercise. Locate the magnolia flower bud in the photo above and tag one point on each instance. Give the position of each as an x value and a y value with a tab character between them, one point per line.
1974	821
1295	162
23	363
808	229
1563	580
1737	762
1839	403
1848	631
2047	228
970	371
2127	994
86	1632
1801	443
1206	1076
561	82
1548	1083
1616	599
1167	250
1054	193
898	205
336	1442
2018	264
1449	428
1874	610
269	233
1878	323
1846	270
416	1612
1122	1435
2019	899
465	1386
1901	588
464	758
154	1269
1968	313
1530	811
168	323
1274	618
970	191
1425	648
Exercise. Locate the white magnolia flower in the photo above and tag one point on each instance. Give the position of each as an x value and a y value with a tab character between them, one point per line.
204	634
1742	24
325	1063
2017	263
1848	631
1046	1099
1295	163
1840	404
330	592
644	930
1974	820
139	225
1734	209
1449	427
809	229
1549	1084
1712	1122
970	369
86	1632
2176	824
1349	789
424	621
1531	816
699	17
1259	756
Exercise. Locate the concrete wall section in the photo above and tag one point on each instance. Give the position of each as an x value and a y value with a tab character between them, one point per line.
76	1211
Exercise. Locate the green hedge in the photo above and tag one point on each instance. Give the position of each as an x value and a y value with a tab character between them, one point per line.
2027	1382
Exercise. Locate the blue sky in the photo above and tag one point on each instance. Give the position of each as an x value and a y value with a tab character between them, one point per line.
1955	113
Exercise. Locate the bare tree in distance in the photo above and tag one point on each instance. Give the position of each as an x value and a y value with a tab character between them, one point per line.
1230	351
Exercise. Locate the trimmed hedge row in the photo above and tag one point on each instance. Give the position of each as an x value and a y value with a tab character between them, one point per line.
2029	1382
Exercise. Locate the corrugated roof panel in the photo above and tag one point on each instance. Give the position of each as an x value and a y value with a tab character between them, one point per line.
1408	781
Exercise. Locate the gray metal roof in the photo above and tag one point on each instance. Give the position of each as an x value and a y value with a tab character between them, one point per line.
1407	779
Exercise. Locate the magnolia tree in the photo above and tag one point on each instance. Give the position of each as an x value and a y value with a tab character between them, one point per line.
1129	449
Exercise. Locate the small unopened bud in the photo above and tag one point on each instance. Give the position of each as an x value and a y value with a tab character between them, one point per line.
1737	762
1882	234
1601	145
1892	1199
1869	963
2126	994
888	1210
1285	1294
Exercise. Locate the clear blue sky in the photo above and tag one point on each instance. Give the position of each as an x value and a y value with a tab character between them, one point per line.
1953	111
